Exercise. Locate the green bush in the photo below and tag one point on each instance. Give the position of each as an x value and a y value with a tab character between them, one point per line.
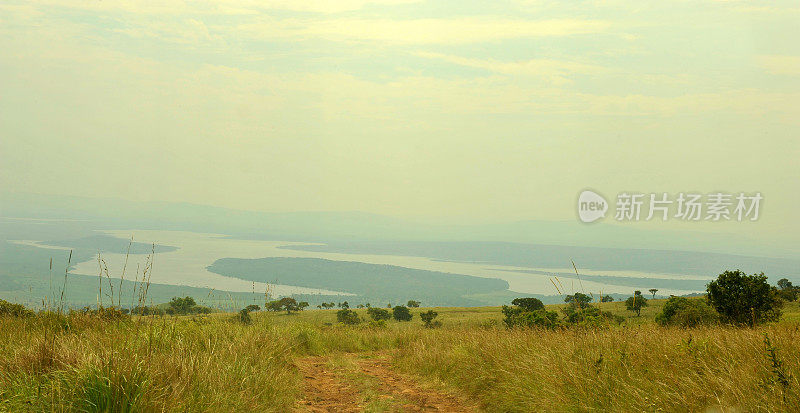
379	324
518	317
428	318
185	305
147	310
347	316
787	291
401	313
106	313
591	316
744	299
244	316
378	314
684	312
13	309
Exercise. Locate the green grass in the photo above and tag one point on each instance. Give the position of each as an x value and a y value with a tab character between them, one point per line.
213	363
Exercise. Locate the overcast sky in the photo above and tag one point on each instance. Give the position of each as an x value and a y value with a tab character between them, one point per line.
473	111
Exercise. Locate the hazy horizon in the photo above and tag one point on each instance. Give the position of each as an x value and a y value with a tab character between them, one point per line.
465	111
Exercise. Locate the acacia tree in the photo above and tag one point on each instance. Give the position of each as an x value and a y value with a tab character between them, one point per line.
413	303
289	304
528	303
653	291
579	300
607	299
636	303
744	299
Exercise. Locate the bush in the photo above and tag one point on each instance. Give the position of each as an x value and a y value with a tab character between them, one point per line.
787	291
401	313
744	299
428	318
684	312
377	324
185	305
413	304
147	310
347	316
244	316
529	303
106	313
591	316
378	314
13	309
518	317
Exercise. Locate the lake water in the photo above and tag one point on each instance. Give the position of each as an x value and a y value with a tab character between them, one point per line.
196	251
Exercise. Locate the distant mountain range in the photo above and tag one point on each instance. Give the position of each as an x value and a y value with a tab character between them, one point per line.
362	226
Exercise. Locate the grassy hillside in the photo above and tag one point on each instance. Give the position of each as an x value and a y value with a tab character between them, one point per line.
216	363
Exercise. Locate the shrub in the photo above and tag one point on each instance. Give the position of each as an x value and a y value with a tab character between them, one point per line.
377	324
347	316
428	318
684	312
106	313
787	291
147	310
401	313
244	316
413	304
185	305
744	299
528	303
607	299
518	317
636	303
591	316
378	314
13	309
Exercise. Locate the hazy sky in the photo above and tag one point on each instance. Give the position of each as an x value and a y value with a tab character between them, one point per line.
481	110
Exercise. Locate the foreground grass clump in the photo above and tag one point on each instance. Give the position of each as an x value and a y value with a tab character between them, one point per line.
86	363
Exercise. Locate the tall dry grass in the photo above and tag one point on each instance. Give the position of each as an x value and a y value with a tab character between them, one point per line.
619	369
86	363
98	361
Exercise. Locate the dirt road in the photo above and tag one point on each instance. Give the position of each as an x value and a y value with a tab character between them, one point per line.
367	382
